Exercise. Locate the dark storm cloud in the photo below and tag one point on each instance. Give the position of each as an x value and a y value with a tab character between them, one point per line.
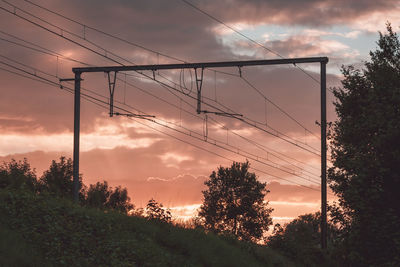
304	12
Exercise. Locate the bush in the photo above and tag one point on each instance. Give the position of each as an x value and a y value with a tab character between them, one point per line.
17	175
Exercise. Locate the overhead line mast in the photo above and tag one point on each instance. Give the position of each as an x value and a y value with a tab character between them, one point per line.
239	64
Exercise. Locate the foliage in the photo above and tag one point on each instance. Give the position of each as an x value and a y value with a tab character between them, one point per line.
234	203
15	251
66	234
119	200
58	179
17	174
300	240
100	195
365	156
156	211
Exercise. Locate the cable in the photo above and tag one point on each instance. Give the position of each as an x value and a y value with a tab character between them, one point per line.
165	55
102	55
221	156
46	81
278	107
44	50
107	34
25	76
245	36
218	123
107	57
246	120
252	123
158	53
145	91
58	34
215	142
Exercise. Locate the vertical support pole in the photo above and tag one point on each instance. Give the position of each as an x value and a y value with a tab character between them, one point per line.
323	158
77	108
198	110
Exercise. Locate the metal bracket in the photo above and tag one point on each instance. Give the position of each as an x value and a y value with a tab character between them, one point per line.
199	83
66	80
111	87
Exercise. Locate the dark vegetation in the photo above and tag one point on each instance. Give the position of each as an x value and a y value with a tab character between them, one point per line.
366	155
299	241
364	224
56	232
42	226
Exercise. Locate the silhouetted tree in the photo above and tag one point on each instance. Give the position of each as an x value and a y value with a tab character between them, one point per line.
234	203
58	179
119	200
156	211
300	239
100	195
17	175
97	195
366	157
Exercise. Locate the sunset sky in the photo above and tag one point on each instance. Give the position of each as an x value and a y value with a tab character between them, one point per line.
169	157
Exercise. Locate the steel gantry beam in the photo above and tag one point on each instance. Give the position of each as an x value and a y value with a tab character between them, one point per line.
107	69
204	65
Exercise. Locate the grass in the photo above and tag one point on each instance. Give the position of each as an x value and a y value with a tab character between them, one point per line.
39	230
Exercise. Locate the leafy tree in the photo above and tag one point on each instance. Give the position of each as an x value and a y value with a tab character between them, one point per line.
156	211
17	174
119	200
58	179
365	155
234	203
300	239
100	195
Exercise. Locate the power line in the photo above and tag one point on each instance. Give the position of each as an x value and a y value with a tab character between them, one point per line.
172	57
214	142
252	123
218	123
107	34
247	120
41	50
245	36
145	91
277	134
157	53
278	107
25	76
62	30
49	82
232	28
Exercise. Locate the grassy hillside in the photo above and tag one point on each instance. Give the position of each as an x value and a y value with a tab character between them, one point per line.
40	230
